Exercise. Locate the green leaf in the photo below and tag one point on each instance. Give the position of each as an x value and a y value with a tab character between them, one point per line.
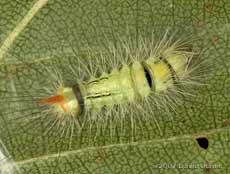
49	30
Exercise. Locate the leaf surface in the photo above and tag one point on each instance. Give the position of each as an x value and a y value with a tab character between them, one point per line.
37	30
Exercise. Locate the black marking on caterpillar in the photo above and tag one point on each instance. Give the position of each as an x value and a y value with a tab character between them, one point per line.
79	97
173	72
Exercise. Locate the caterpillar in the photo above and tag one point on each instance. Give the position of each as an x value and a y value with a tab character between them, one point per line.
131	83
104	88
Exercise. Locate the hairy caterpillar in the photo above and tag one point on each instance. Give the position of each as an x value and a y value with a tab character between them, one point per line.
130	83
104	88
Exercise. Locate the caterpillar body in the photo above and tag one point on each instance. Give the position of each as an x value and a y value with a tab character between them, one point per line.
132	82
119	84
